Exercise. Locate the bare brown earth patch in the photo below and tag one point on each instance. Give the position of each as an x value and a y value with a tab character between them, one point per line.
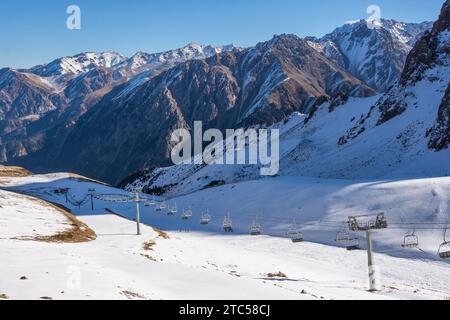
148	246
162	234
14	172
277	275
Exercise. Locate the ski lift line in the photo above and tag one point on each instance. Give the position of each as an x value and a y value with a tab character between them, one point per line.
124	198
118	198
394	225
278	218
334	225
338	223
415	223
352	243
406	226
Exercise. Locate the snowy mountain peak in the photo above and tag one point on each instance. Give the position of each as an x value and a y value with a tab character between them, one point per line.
192	51
402	31
377	55
78	64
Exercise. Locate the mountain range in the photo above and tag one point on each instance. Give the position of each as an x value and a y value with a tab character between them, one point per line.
106	116
41	105
402	133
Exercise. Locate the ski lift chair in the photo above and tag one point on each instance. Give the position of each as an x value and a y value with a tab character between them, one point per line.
206	218
411	241
295	235
228	225
187	214
255	229
172	211
353	244
444	248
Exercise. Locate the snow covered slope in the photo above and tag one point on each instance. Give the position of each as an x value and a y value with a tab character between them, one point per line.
24	217
198	266
27	218
320	206
208	265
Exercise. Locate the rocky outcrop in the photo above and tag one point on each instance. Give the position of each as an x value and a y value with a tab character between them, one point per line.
430	53
440	133
429	50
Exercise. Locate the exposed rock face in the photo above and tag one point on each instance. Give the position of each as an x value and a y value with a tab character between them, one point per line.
26	132
424	81
431	50
23	100
22	94
36	100
376	56
440	39
440	133
130	130
425	61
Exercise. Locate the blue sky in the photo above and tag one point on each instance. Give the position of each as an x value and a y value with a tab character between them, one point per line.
34	32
